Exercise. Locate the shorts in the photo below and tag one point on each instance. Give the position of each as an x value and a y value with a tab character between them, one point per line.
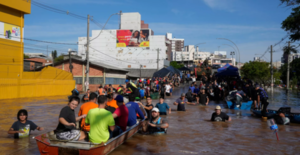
72	135
171	90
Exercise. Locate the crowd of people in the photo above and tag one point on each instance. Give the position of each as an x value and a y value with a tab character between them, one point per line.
110	111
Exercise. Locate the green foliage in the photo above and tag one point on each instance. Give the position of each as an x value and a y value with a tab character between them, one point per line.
289	50
26	56
176	65
257	71
276	76
292	22
54	54
58	59
294	70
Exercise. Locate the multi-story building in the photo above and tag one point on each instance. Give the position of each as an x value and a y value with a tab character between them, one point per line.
220	58
199	56
176	45
133	47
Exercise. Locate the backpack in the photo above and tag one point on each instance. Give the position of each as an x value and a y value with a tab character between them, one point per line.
263	94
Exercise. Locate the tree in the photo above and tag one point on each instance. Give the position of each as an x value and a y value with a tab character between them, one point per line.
176	65
294	71
26	56
54	54
257	71
58	59
292	23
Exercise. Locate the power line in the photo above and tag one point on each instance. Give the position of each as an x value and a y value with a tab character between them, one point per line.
49	42
274	45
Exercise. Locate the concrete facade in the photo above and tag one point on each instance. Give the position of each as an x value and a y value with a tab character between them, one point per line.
103	47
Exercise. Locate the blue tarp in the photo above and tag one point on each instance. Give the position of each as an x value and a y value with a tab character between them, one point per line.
228	70
224	67
167	71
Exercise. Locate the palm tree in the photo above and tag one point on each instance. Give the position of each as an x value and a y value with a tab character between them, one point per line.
288	50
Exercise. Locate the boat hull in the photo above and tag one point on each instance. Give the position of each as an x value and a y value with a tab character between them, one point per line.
244	106
49	147
294	117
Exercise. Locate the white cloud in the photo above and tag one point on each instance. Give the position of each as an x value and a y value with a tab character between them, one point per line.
227	5
175	11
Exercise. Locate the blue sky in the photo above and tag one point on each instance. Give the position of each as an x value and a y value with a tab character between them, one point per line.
253	25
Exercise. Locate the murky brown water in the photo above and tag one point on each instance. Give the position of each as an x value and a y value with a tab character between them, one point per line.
189	132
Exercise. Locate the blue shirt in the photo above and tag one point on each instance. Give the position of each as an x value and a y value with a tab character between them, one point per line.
196	90
162	107
133	108
142	93
192	88
188	75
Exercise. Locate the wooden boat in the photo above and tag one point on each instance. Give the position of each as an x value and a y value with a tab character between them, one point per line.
244	106
294	117
49	145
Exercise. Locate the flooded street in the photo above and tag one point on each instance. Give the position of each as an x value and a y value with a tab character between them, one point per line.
190	132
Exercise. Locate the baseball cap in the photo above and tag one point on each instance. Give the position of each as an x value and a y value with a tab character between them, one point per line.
126	81
183	94
218	107
257	85
119	98
155	109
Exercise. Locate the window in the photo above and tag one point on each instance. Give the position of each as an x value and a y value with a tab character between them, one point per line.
96	80
78	80
110	80
225	61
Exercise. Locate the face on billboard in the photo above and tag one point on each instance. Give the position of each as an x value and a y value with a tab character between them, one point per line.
133	38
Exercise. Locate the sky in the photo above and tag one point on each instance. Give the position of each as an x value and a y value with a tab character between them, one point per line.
253	25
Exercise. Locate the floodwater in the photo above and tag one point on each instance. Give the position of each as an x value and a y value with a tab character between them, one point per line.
189	132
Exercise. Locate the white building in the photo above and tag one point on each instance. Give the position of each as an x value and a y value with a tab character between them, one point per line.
176	45
186	55
133	52
220	58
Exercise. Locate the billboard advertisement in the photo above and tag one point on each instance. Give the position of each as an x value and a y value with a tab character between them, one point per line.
9	31
133	38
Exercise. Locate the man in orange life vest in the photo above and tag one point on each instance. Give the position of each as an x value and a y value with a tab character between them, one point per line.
87	96
101	90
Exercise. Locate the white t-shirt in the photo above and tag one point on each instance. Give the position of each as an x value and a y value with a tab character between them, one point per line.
168	87
194	79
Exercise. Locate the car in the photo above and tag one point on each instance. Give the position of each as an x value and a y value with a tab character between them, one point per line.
216	66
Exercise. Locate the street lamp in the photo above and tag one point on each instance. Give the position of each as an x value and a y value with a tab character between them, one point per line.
232	54
236	47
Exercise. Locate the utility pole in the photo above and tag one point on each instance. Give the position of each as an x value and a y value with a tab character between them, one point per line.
158	59
272	82
70	62
141	71
288	69
120	20
87	53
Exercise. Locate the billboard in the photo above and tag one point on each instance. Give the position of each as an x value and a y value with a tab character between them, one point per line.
133	38
8	31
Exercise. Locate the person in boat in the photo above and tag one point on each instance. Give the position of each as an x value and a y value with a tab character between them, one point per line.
66	128
87	96
101	90
281	119
157	124
181	102
133	109
239	96
148	107
111	103
85	108
163	107
121	113
132	88
262	97
101	122
23	127
218	115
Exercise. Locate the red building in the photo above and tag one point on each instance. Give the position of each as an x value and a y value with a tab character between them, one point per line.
99	73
